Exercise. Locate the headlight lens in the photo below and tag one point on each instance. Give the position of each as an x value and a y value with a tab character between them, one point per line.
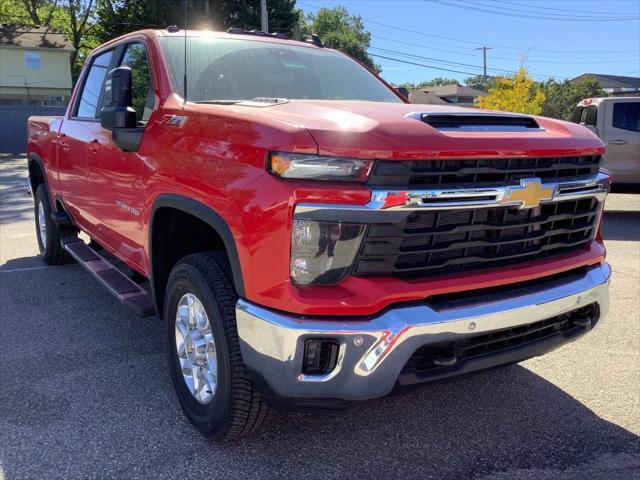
323	252
314	167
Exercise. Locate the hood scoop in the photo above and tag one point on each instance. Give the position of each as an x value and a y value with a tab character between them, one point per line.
478	122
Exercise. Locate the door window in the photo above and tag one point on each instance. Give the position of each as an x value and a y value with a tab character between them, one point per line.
589	116
626	116
92	96
142	94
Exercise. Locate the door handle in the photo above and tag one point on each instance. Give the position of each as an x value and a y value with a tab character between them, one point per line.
617	142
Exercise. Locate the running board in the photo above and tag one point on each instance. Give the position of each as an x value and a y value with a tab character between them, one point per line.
125	289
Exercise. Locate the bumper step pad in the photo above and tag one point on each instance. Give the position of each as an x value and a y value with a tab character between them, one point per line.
126	290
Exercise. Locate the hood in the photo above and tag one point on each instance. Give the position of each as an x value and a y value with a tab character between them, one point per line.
396	131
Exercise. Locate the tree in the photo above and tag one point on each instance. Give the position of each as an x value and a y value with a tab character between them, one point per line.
343	32
479	82
117	17
561	98
514	94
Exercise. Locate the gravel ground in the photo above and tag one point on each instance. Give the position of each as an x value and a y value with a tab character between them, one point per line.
84	392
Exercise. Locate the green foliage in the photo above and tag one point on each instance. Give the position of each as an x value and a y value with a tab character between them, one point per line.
117	17
518	93
562	97
343	32
480	83
436	82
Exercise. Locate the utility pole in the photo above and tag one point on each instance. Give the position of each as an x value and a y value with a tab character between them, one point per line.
264	16
484	56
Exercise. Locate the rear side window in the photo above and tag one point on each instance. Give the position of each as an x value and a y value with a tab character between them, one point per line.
626	116
91	98
589	116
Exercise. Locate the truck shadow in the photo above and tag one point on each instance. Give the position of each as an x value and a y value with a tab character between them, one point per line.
508	418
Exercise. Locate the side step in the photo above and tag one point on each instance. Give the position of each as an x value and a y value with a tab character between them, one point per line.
125	289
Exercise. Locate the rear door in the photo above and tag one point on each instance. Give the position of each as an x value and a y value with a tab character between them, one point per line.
118	175
75	134
621	134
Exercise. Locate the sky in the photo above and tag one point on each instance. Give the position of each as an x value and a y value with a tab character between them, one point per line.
555	38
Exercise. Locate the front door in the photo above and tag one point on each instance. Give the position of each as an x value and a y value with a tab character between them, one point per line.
118	175
74	136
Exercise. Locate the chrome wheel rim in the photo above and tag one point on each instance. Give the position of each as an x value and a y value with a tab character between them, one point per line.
42	224
196	349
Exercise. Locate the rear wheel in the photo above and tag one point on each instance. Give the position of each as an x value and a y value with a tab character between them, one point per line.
209	376
47	232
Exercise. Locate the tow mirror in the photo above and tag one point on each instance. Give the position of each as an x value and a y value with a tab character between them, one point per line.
119	116
119	113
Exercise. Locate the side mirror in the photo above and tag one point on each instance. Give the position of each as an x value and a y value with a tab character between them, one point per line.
119	114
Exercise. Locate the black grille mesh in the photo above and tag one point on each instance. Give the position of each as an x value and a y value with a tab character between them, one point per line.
447	241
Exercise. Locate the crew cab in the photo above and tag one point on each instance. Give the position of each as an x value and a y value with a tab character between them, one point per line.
616	120
308	237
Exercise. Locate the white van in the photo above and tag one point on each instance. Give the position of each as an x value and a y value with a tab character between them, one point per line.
616	120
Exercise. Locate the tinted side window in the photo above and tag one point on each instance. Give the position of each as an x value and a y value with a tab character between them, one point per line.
577	115
90	100
142	91
590	115
626	116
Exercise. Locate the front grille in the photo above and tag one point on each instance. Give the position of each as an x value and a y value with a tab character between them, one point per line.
448	241
481	172
433	359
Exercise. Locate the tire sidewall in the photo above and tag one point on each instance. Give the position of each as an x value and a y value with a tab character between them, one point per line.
42	197
212	418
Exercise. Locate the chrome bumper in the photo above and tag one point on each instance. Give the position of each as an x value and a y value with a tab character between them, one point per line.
373	352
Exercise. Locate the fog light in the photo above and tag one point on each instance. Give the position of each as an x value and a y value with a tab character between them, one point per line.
323	252
320	356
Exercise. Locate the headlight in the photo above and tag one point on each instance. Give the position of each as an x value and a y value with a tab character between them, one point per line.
313	167
323	252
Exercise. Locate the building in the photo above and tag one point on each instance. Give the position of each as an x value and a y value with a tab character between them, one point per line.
35	65
447	95
614	84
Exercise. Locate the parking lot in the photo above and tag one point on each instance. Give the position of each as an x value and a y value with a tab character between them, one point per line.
84	392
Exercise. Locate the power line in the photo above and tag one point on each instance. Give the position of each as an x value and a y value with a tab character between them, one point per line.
422	65
593	12
560	16
530	15
376	36
475	42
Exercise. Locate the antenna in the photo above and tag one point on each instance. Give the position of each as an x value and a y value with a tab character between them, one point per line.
185	51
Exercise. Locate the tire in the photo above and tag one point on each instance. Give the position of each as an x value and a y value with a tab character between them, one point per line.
236	407
50	248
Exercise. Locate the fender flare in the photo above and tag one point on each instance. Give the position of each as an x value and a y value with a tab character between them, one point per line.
35	158
207	215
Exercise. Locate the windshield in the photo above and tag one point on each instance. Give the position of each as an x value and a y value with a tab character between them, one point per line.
240	69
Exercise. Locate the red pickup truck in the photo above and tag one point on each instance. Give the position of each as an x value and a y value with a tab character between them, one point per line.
309	238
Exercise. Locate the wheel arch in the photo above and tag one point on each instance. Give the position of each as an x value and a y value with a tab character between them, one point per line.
159	271
37	174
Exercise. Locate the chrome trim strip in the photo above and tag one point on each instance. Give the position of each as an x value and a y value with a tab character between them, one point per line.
455	198
374	351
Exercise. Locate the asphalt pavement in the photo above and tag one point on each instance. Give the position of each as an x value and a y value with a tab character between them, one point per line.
84	391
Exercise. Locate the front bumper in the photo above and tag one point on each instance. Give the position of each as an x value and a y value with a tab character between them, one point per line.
373	352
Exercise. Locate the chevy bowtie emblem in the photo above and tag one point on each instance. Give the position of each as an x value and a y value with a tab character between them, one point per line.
528	194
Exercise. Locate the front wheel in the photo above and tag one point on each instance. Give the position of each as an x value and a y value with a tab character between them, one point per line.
209	376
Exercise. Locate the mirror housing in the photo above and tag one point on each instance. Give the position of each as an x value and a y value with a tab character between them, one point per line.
119	116
119	113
